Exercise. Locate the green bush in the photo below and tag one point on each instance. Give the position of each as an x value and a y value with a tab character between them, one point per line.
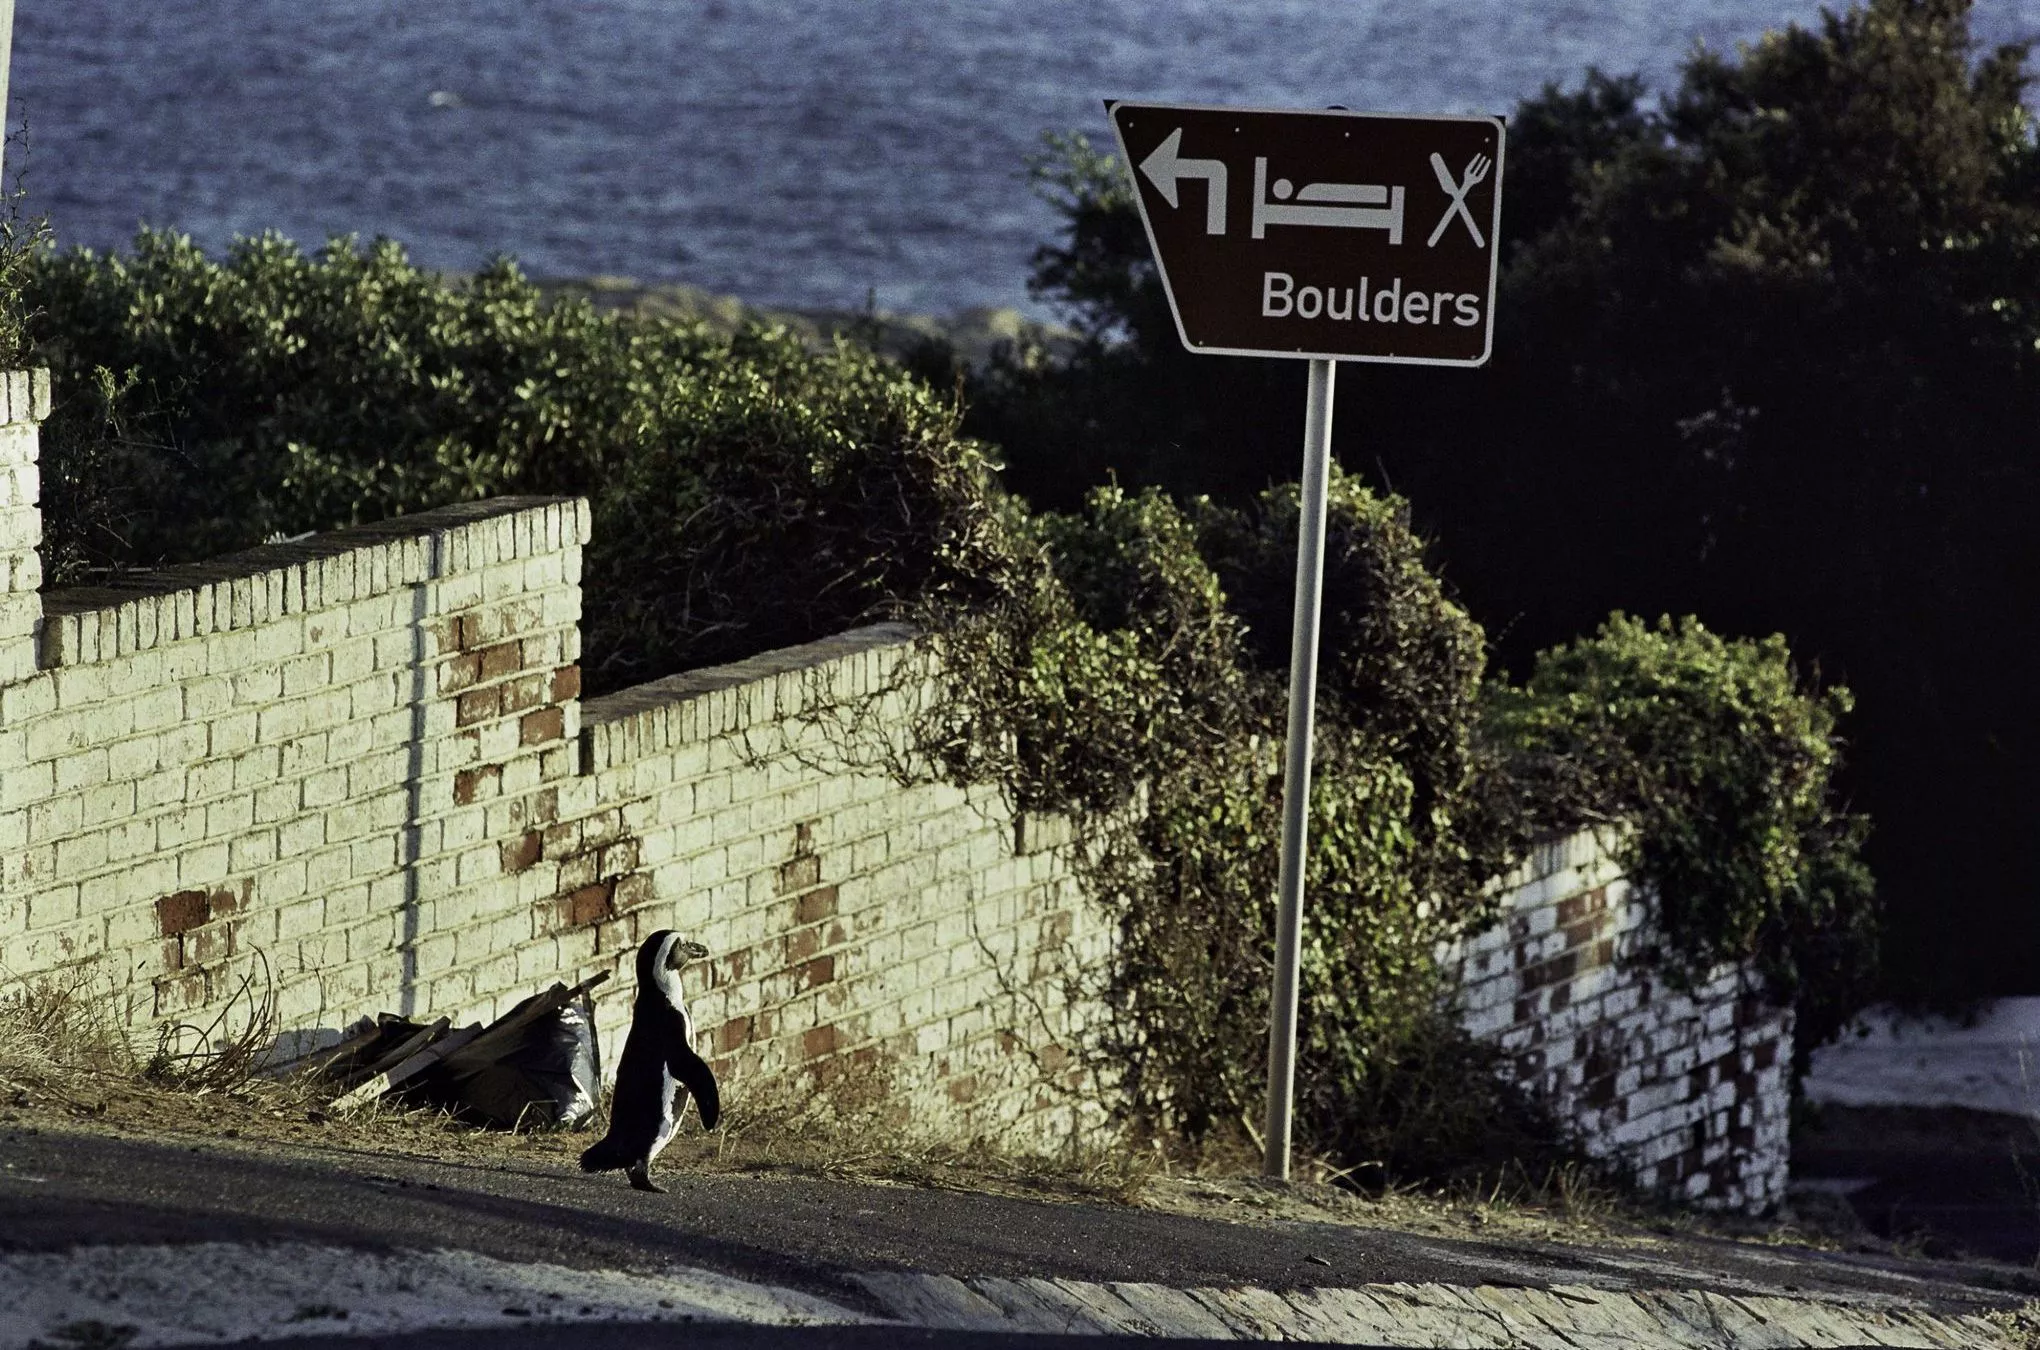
748	492
1723	762
1138	683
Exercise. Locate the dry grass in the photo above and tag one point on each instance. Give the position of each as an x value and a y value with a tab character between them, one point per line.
63	1036
849	1123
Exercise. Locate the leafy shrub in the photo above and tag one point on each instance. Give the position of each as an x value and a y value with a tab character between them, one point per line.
1724	763
207	405
1138	682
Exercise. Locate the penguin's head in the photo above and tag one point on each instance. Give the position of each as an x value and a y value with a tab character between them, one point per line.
660	960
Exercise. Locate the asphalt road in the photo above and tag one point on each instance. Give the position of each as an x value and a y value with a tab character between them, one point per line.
1942	1178
60	1189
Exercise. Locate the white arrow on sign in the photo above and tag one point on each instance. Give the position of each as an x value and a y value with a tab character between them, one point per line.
1164	168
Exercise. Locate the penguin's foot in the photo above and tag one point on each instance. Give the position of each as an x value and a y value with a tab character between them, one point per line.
641	1180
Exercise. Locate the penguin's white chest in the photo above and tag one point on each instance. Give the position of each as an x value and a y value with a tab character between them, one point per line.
671	1104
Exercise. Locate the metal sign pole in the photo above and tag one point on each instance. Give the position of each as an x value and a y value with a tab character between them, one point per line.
1310	577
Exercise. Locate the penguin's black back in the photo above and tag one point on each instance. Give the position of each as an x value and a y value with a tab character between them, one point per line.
659	1042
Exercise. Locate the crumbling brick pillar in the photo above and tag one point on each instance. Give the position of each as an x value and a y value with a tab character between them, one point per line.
24	403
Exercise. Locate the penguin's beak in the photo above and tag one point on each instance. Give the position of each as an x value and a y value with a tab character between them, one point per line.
683	952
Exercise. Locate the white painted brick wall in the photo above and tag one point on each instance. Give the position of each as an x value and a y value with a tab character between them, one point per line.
1635	1066
360	766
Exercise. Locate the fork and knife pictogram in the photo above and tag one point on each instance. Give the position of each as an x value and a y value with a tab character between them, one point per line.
1476	170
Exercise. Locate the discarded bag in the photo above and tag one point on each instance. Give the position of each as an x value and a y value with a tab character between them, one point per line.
538	1066
544	1075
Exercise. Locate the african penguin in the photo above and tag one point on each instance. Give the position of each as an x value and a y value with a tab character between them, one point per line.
658	1064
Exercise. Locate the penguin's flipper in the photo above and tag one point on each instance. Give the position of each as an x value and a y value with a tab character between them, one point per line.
693	1070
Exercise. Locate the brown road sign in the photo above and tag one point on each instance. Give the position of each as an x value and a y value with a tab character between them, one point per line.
1339	235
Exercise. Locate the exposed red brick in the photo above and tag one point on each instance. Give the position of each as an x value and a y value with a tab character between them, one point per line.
802	944
173	953
224	902
815	906
476	630
1561	995
566	683
732	1034
547	724
526	691
182	912
1597	1088
523	851
800	874
445	634
961	1088
476	705
736	964
1582	932
1576	907
1545	973
635	889
819	971
803	838
470	784
502	659
591	904
1765	1055
462	672
818	1041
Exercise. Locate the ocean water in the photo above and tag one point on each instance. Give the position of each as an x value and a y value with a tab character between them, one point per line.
812	154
